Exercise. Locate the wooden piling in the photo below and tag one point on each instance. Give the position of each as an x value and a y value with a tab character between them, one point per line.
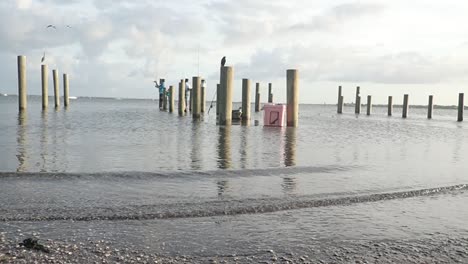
196	98
225	107
66	90
257	97
270	93
430	106
369	104
171	99
339	105
202	98
390	106
357	104
405	106
461	106
45	86
182	97
165	100
292	88
22	87
245	100
56	88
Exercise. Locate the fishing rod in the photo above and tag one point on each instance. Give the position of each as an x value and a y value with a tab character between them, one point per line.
211	104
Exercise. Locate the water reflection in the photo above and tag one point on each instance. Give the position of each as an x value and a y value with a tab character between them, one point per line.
21	142
197	145
290	147
44	141
289	185
222	186
224	147
244	147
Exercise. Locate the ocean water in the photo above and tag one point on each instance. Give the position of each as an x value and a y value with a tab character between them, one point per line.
124	169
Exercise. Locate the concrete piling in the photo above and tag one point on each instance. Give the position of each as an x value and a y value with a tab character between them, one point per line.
45	86
171	99
339	109
357	105
430	106
218	92
405	106
270	93
369	104
461	106
245	100
22	87
56	88
182	97
165	100
225	107
292	88
196	98
203	97
257	97
66	90
390	106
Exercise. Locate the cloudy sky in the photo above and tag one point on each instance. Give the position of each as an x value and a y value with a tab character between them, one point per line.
116	48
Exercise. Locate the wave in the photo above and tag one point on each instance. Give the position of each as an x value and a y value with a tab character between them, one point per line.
183	174
212	208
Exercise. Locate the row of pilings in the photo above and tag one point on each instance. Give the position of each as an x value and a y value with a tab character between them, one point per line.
22	86
404	113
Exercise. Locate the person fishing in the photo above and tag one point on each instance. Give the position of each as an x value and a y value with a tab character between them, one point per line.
162	91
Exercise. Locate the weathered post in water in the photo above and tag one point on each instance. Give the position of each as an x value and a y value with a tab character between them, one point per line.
165	100
22	89
196	107
339	106
430	106
405	106
66	90
56	88
292	95
182	97
357	104
218	92
390	106
225	107
45	86
461	106
202	98
171	99
369	104
257	97
245	100
270	93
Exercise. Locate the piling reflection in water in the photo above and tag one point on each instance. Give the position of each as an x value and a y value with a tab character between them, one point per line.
290	147
197	145
21	140
44	142
224	147
244	147
222	187
288	185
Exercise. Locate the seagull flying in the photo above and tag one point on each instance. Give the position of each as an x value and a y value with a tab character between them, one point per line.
68	26
43	57
223	61
51	26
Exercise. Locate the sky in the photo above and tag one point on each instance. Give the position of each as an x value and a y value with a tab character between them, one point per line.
116	48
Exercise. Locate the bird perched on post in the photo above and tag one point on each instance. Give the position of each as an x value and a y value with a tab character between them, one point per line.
223	61
43	57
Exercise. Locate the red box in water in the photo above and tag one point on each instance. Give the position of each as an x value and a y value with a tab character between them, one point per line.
274	115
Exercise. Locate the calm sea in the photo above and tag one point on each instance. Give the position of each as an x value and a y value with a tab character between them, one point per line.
199	188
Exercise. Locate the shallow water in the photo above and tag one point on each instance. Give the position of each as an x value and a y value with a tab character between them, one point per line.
335	177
